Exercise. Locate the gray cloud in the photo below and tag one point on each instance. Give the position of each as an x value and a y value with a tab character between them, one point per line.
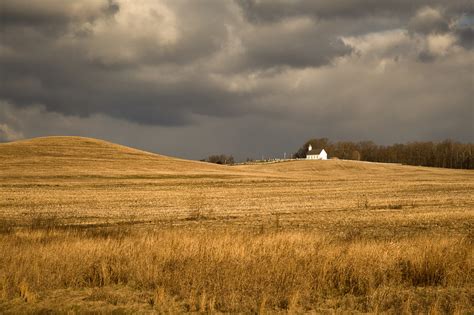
277	44
465	36
271	10
54	12
428	20
185	66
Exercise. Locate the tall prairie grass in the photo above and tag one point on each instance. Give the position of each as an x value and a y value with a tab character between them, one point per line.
188	269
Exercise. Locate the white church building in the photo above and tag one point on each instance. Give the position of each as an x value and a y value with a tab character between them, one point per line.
316	154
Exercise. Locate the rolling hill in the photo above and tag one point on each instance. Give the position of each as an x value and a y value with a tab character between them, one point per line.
80	156
95	179
56	156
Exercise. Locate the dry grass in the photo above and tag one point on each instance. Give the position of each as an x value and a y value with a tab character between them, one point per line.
230	271
88	225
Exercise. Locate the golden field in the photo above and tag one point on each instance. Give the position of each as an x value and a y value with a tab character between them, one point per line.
87	225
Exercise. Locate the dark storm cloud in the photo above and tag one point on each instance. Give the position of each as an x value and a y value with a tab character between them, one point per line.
84	75
278	44
466	36
92	65
54	15
183	63
426	56
271	10
82	89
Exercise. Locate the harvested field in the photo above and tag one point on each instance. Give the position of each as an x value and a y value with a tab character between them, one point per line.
90	225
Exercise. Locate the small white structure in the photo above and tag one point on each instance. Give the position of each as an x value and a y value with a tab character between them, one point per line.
316	154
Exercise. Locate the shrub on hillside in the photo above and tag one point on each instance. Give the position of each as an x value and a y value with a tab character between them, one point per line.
221	159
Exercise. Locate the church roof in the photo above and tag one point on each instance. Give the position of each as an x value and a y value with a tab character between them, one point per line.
314	151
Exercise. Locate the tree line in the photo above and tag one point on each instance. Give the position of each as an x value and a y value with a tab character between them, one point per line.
220	159
447	153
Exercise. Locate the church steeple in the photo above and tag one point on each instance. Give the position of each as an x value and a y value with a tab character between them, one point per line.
310	147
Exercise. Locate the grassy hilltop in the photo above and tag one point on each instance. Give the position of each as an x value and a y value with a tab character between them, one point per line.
91	225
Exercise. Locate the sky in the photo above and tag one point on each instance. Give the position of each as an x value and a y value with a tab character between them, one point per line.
251	78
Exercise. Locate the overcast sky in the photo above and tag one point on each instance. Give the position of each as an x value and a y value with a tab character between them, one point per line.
190	78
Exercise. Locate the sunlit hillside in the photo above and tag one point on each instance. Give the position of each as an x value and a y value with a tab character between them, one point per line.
87	224
78	155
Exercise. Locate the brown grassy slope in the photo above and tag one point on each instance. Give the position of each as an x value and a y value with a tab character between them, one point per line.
86	156
330	168
81	179
323	236
75	156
